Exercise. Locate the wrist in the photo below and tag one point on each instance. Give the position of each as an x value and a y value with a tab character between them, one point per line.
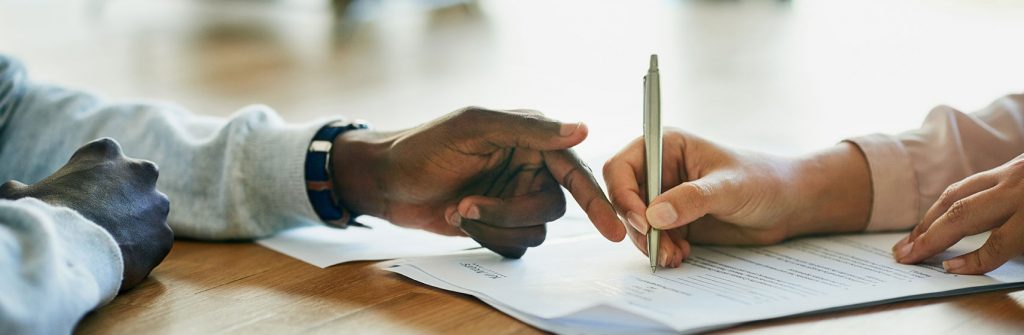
357	160
836	183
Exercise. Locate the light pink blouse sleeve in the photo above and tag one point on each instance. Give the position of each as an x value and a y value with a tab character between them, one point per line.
910	170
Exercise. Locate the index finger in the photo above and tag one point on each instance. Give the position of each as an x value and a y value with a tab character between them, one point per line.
623	174
953	193
575	176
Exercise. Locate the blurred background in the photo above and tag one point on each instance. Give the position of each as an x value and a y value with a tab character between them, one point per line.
781	76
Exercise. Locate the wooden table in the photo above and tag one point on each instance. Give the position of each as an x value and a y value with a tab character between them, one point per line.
204	288
788	77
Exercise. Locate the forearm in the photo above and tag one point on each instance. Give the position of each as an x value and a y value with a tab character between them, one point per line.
837	186
233	178
57	267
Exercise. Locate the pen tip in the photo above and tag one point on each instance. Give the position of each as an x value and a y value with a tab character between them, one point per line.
654	61
654	269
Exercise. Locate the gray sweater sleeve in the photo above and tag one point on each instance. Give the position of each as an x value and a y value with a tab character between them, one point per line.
235	178
57	266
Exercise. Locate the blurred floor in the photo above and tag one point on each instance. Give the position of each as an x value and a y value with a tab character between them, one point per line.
783	76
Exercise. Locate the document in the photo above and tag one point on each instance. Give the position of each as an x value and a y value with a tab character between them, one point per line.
324	246
589	285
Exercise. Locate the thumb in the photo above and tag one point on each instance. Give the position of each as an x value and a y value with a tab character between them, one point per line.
683	204
517	129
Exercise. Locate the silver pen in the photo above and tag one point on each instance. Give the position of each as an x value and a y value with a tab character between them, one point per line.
652	147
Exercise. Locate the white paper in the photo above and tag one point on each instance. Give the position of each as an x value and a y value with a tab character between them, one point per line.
324	246
589	285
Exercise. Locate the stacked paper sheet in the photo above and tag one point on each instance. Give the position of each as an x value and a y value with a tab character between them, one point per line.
325	246
589	285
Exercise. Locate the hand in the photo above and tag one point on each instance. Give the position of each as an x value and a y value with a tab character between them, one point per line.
715	195
493	175
990	200
118	194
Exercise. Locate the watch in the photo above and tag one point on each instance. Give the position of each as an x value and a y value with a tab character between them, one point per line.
319	182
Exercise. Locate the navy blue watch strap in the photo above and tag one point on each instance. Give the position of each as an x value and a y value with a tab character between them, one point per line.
319	182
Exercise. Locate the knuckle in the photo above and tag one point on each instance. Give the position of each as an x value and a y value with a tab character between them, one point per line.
1014	181
1016	168
106	142
674	138
918	230
10	188
569	179
148	170
989	257
537	238
948	196
958	211
608	168
697	194
617	198
164	204
108	146
102	148
558	210
474	112
996	251
509	252
554	209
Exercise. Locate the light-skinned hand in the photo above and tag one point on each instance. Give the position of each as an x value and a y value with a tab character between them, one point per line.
716	195
988	201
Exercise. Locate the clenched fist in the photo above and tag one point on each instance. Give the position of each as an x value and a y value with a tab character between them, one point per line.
117	193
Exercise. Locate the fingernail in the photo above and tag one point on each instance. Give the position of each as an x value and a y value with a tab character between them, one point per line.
903	251
662	215
455	220
899	244
569	128
953	264
473	213
664	259
637	222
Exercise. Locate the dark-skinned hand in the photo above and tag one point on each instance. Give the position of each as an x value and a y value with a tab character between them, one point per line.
493	175
115	192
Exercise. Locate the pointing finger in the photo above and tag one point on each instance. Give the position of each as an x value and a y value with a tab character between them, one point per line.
576	177
968	216
623	174
959	190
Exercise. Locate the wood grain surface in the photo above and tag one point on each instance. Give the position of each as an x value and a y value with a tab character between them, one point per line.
244	288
